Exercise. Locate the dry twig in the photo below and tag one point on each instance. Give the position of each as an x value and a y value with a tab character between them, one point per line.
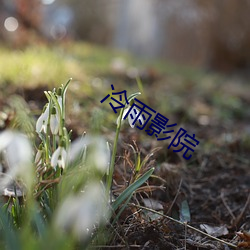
184	224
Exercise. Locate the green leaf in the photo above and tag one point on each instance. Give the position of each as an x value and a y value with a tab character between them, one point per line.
185	212
129	190
138	162
139	84
122	209
39	222
10	236
65	87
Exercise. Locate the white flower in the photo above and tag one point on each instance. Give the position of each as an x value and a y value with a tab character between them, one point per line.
98	152
79	214
39	154
59	158
59	99
131	116
17	152
42	122
54	121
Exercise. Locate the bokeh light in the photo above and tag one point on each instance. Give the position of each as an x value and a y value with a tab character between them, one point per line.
58	31
11	24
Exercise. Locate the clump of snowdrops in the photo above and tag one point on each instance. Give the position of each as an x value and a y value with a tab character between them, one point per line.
66	187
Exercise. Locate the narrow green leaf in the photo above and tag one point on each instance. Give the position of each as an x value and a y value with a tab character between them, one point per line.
139	84
185	212
129	190
122	209
138	162
10	236
39	222
65	87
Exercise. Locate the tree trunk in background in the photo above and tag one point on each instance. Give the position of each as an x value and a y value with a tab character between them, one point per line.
229	35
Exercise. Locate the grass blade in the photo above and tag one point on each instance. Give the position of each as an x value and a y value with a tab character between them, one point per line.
128	191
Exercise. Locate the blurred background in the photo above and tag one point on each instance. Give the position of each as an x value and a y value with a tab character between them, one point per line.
188	52
212	34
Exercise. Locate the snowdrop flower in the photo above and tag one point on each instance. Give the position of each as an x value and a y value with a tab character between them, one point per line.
17	152
98	152
131	117
54	121
79	214
39	154
59	97
42	122
59	157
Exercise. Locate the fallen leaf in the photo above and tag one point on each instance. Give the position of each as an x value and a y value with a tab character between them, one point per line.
152	204
245	236
215	231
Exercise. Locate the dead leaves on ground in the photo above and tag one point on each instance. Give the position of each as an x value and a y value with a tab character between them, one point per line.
245	237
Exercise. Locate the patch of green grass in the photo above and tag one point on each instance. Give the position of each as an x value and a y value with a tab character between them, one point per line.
40	64
49	65
34	65
95	59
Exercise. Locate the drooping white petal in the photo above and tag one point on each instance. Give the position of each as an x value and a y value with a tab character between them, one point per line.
18	156
59	157
38	156
55	156
130	121
77	148
19	151
63	159
39	123
5	139
98	152
135	113
123	115
59	99
44	127
101	155
125	112
79	214
54	124
42	121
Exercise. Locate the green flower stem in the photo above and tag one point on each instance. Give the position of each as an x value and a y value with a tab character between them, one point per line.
66	136
52	95
54	142
47	137
112	164
65	87
46	150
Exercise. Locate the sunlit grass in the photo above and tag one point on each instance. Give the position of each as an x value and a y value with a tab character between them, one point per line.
41	64
37	65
